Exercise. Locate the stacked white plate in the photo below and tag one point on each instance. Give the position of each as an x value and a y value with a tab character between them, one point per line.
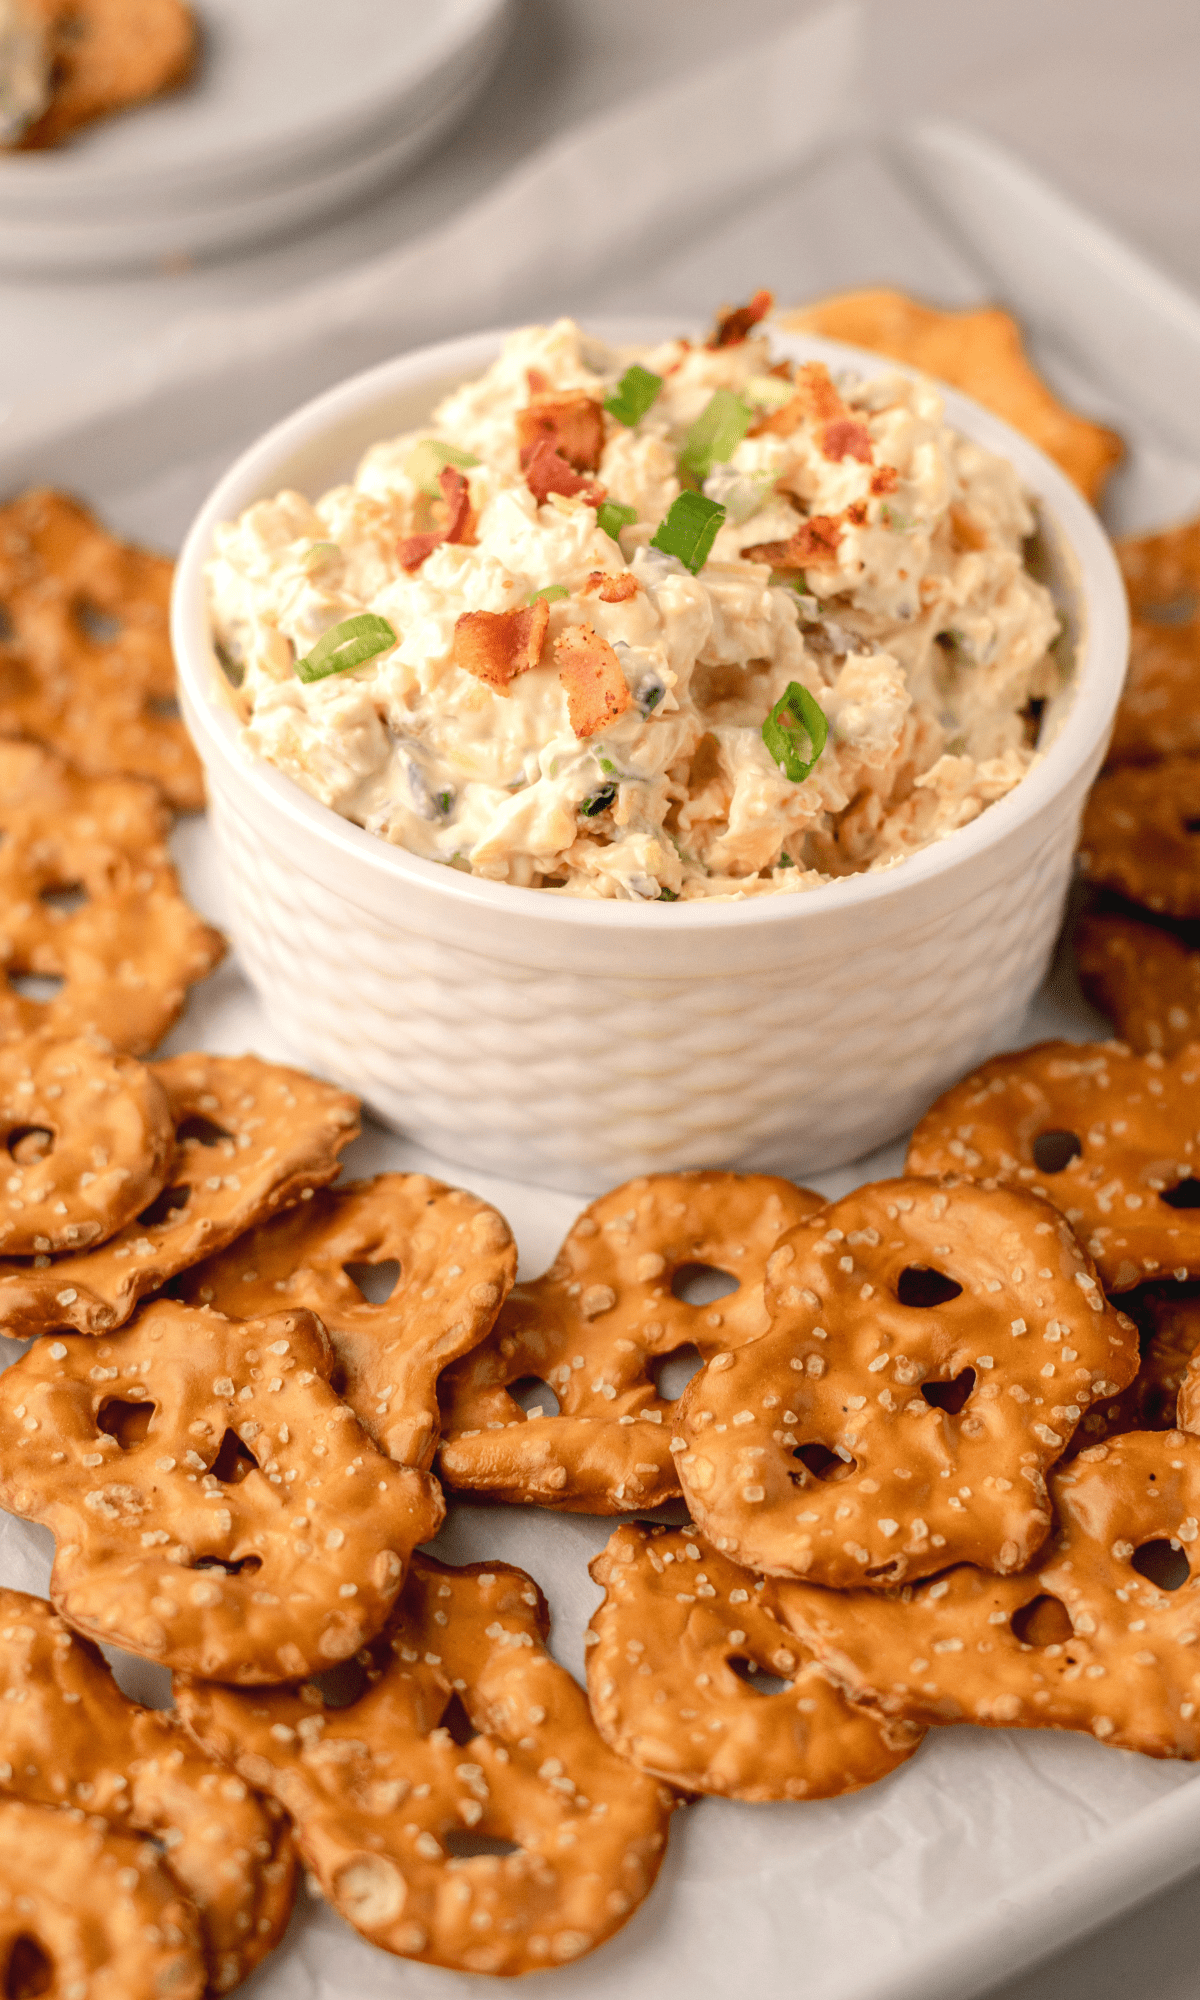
298	108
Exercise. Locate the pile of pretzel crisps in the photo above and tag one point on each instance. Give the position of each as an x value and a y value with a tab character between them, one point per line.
940	1463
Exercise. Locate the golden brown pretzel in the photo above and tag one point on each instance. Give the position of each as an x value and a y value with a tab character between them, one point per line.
665	1695
88	1138
1112	1139
593	1328
128	952
215	1504
1143	978
90	1913
932	1347
1159	715
466	1728
1087	1640
1141	835
250	1138
69	1737
457	1262
1170	1336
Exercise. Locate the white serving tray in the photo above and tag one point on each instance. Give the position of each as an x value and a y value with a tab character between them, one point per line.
989	1849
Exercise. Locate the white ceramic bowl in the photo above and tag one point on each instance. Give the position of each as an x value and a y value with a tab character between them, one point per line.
575	1043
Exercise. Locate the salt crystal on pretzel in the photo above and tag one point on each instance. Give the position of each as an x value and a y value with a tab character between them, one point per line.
89	1137
1159	713
216	1505
89	898
932	1348
461	1729
1112	1139
1144	978
593	1332
1101	1636
457	1261
88	1914
106	56
1139	835
251	1138
69	1737
590	672
572	424
671	1654
496	646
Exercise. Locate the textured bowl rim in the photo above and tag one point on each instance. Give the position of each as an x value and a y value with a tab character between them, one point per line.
1099	667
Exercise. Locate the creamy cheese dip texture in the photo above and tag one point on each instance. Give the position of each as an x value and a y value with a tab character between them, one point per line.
868	554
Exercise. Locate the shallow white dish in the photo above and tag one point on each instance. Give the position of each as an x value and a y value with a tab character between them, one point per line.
575	1043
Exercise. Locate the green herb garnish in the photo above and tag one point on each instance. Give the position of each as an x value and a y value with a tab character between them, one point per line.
785	861
319	553
346	645
550	594
633	395
667	896
609	769
444	801
613	515
807	728
598	801
689	530
716	433
428	460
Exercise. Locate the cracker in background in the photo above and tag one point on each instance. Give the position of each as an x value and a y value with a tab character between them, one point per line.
107	55
1159	715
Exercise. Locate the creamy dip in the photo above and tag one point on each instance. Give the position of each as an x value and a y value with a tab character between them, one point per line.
24	69
855	668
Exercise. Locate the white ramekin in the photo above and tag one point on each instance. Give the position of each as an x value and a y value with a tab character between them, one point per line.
575	1043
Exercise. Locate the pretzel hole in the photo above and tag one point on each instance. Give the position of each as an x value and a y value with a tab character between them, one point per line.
40	987
466	1845
459	1724
1162	1564
29	1970
164	1206
1044	1621
66	898
672	1373
1172	610
128	1423
376	1282
229	1565
534	1396
950	1396
200	1132
233	1461
95	623
164	707
341	1686
753	1676
1185	1194
1054	1151
701	1284
27	1144
918	1285
825	1464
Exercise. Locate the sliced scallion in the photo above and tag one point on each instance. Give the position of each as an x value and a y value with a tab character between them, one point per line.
768	392
613	515
549	594
320	552
598	801
689	530
667	896
796	723
716	433
428	460
347	645
635	392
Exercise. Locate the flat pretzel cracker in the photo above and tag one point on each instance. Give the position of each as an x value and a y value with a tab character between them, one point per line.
69	1737
1170	1336
1159	715
1112	1139
128	952
677	1621
593	1330
457	1262
85	657
933	1346
1139	835
216	1506
250	1138
1145	980
461	1726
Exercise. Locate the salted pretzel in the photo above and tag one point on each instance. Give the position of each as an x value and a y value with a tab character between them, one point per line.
90	1913
457	1262
670	1654
933	1346
88	1137
594	1330
1145	979
1170	1335
251	1138
215	1504
89	897
1140	835
1112	1139
1159	712
1100	1636
107	55
461	1729
69	1737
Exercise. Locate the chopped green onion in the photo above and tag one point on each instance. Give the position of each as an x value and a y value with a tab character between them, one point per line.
347	645
716	433
667	896
811	730
428	460
768	392
549	595
613	515
785	861
598	801
689	530
319	553
633	395
444	801
609	769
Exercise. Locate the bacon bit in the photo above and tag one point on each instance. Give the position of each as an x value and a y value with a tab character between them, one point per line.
813	546
496	646
590	673
734	326
539	384
460	524
857	512
573	425
611	589
884	479
965	531
546	471
815	399
845	437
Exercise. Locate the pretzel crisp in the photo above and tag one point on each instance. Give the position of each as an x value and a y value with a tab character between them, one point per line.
88	1912
932	1348
465	1729
85	660
1102	1637
69	1737
677	1622
130	948
216	1505
457	1263
1145	980
1159	714
594	1328
1141	835
89	1137
1112	1139
251	1138
1170	1336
